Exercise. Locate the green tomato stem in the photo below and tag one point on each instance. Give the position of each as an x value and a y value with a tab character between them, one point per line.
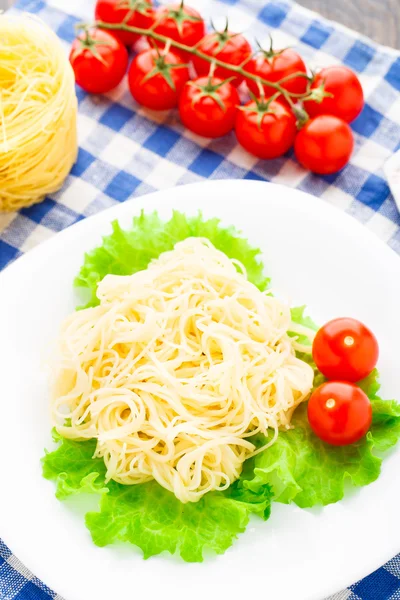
194	51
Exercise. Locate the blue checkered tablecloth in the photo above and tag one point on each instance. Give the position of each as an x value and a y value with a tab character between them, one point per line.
126	150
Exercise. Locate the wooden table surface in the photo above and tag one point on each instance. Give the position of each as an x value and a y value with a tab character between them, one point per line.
377	19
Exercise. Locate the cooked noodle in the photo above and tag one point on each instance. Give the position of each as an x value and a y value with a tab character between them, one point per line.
176	369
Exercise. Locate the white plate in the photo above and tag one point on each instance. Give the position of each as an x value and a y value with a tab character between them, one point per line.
316	255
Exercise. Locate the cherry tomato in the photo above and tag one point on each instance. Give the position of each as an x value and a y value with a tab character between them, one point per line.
265	133
232	48
324	145
99	61
155	80
347	99
274	66
345	349
208	106
180	23
339	413
135	13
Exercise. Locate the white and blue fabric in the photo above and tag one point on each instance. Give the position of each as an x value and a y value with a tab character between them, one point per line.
125	150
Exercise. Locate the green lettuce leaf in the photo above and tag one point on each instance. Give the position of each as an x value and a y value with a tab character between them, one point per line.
298	316
152	518
303	469
73	468
370	385
385	430
127	251
149	516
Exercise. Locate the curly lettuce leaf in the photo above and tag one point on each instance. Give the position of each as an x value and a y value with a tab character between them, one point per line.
303	469
149	516
73	468
125	252
298	316
385	416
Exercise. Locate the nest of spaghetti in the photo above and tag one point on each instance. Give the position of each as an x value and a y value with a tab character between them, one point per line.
177	369
38	110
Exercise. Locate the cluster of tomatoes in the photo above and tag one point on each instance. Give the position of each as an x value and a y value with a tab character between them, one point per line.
345	351
288	107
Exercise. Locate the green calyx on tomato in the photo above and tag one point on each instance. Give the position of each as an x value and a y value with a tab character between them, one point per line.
141	6
88	42
347	99
319	93
99	60
284	67
163	68
270	54
223	36
210	90
179	15
261	107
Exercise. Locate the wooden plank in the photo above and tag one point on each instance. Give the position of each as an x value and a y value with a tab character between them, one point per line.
377	19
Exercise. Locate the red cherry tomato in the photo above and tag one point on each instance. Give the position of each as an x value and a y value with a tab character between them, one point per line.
274	68
180	23
347	99
266	135
345	349
159	90
228	47
339	413
208	107
324	145
135	13
99	61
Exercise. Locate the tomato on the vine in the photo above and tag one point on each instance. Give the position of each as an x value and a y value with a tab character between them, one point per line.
208	106
156	80
180	23
274	66
135	13
339	413
231	48
267	130
346	98
345	349
324	144
99	61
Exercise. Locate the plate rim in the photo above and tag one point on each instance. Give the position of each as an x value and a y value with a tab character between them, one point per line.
131	202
